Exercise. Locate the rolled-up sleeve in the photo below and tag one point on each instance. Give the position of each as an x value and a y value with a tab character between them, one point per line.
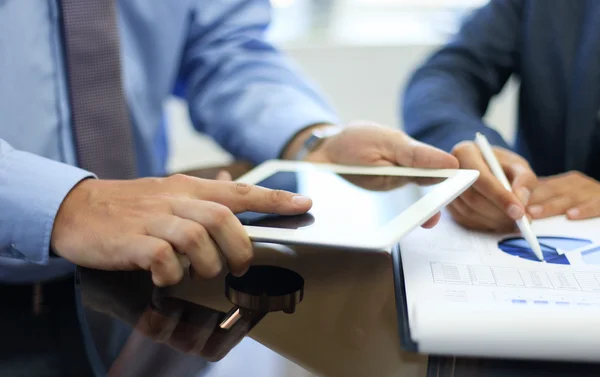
32	189
241	90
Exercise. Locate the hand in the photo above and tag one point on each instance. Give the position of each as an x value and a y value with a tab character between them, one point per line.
487	205
377	145
573	194
146	223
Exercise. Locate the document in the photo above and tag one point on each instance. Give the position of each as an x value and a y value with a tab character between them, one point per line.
480	294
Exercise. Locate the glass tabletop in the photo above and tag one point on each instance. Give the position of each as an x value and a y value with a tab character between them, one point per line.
132	329
336	317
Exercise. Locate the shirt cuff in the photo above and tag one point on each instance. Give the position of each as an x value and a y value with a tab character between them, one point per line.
268	142
32	189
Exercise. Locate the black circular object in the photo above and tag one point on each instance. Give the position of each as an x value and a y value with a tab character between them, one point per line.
266	280
265	288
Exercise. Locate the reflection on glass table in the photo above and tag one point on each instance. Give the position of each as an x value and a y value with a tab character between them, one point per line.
134	327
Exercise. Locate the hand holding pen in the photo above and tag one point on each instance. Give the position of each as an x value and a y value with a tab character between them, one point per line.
522	222
487	205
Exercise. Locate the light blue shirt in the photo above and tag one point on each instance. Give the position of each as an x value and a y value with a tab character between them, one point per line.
240	90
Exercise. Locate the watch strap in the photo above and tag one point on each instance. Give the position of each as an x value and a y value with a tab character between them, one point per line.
316	138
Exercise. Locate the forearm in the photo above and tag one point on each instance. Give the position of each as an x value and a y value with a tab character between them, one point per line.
434	116
32	189
244	92
447	97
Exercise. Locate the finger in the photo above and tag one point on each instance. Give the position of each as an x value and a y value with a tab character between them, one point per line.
191	239
224	175
523	180
471	217
490	187
462	219
481	206
553	207
587	210
432	221
241	197
155	255
224	229
487	184
412	153
472	220
542	193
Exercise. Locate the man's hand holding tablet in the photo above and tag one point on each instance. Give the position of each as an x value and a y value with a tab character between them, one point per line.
367	183
375	145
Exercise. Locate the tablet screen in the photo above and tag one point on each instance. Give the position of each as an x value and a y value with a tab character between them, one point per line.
342	202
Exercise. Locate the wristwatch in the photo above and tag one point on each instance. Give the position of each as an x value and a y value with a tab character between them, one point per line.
316	138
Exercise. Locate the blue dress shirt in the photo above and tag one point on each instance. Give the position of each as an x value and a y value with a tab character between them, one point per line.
240	90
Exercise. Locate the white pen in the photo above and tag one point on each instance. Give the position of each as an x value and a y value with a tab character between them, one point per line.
523	223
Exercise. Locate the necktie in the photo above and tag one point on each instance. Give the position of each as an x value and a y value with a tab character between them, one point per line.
100	117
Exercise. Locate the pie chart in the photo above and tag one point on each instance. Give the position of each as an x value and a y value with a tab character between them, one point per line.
554	249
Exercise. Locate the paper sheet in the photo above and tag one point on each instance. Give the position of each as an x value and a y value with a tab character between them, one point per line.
481	294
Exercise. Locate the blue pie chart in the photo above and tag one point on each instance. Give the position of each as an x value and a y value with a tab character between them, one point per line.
518	247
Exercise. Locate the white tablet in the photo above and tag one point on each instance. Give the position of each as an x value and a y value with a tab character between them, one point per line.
353	207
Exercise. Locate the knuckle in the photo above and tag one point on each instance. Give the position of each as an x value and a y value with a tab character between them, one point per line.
463	148
575	175
153	181
161	254
220	214
212	270
180	179
194	235
243	257
277	196
208	270
242	189
507	199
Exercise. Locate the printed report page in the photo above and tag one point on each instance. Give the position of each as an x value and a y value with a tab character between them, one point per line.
487	294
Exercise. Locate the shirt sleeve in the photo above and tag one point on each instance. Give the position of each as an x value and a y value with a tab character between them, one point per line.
448	95
32	189
241	90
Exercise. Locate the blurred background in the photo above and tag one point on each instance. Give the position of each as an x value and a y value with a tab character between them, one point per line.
360	53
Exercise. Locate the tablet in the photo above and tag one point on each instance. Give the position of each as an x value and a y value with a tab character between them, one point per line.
353	207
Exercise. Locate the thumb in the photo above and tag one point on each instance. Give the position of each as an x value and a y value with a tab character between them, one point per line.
523	180
224	175
412	153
